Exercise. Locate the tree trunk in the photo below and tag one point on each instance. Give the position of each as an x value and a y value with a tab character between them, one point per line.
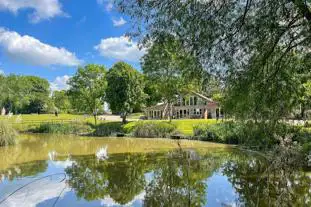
302	111
95	119
95	114
124	118
169	112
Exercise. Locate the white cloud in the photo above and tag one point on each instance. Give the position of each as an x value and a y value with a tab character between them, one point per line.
42	9
120	48
108	4
28	50
118	22
60	83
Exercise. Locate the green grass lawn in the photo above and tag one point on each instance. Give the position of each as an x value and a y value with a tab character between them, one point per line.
185	126
135	115
26	121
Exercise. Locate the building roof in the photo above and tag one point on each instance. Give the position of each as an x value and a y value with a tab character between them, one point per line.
203	97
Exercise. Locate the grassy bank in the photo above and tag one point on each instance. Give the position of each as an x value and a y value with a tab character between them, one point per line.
200	129
28	122
7	134
62	128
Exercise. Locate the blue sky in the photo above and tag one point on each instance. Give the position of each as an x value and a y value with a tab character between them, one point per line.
51	38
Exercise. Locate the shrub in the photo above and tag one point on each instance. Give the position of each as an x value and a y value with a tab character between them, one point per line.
7	134
226	132
153	129
62	128
262	135
108	128
303	137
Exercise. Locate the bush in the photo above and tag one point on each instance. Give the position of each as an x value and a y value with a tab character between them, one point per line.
227	132
303	137
108	129
7	134
153	129
262	135
62	128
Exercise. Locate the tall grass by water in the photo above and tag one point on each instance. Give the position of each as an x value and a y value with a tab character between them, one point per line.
7	134
108	129
62	128
152	129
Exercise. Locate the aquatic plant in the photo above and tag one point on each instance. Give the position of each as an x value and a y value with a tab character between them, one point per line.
7	134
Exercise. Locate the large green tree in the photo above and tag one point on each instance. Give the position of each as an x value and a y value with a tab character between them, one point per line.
24	94
169	69
87	89
125	89
252	43
38	91
61	101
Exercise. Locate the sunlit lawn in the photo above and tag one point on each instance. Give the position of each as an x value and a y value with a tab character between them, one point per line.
46	118
185	126
26	121
135	115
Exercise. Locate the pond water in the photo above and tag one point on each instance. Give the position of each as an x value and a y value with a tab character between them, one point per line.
43	170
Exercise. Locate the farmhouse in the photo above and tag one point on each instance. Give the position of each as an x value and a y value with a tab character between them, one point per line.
193	106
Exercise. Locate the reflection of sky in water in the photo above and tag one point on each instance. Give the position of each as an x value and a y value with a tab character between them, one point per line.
220	191
46	191
41	192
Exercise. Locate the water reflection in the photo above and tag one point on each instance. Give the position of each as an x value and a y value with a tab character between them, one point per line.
176	177
265	184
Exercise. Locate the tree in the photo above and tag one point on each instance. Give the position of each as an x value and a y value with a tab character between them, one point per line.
61	100
37	92
125	88
24	94
87	88
252	43
168	67
154	96
225	31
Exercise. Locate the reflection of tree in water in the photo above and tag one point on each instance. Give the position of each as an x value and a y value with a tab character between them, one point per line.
121	177
24	170
275	184
179	180
126	178
178	177
87	177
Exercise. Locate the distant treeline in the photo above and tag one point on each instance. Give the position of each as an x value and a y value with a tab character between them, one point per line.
25	94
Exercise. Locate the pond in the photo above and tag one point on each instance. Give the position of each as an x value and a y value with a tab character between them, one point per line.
44	170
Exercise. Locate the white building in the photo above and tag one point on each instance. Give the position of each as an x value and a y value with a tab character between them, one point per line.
194	106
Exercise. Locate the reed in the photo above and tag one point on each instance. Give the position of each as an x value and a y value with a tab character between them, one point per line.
7	134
